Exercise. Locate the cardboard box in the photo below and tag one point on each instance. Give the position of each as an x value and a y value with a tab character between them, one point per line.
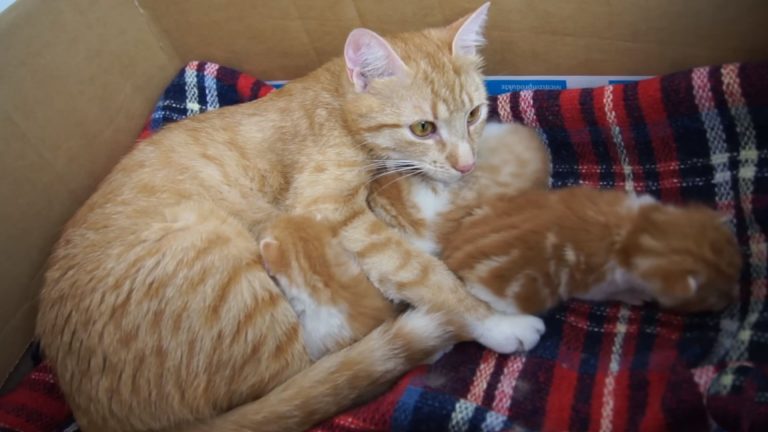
78	78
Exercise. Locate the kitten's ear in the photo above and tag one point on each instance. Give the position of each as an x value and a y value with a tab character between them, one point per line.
270	254
693	284
369	57
683	286
468	36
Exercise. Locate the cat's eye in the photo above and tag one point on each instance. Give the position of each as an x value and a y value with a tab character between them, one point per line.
422	128
474	115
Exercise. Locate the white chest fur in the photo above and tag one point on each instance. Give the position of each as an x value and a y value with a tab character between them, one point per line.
430	200
324	326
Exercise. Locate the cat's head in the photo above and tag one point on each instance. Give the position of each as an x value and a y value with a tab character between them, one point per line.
300	251
688	255
418	100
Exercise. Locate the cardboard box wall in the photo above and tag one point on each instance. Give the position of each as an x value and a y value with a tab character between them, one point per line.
78	78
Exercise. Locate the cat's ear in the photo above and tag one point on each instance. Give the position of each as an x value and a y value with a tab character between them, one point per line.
270	254
468	36
368	57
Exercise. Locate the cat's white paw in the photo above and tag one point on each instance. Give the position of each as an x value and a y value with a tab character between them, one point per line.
509	333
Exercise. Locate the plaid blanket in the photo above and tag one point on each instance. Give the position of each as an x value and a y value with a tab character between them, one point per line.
696	135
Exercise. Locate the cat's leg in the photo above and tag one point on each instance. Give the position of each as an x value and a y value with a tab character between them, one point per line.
404	273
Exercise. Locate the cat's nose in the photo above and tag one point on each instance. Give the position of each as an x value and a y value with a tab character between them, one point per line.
465	168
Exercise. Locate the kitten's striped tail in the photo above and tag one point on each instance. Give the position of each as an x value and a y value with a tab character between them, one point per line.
342	379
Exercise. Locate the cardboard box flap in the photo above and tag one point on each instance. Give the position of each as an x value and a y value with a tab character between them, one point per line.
77	81
276	39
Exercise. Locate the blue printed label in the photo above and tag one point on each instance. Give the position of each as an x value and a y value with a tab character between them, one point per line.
499	86
622	81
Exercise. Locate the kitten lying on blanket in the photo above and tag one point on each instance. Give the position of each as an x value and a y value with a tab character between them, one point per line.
527	252
522	254
335	302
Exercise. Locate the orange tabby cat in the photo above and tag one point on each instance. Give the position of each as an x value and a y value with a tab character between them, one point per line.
156	312
524	253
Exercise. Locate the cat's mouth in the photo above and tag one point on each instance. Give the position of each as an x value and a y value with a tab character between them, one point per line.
443	175
430	171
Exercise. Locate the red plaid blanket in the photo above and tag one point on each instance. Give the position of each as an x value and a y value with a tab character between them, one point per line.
696	135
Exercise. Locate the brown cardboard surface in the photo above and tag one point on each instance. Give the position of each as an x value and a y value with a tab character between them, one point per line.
77	79
284	39
632	37
76	82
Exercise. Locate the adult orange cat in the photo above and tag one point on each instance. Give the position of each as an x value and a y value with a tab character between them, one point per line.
156	313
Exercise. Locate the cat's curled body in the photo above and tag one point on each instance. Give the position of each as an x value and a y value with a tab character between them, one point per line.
156	312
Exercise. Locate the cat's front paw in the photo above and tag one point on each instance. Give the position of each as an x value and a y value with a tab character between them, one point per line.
509	333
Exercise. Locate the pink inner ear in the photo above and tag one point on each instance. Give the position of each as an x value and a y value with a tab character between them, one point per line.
470	37
368	56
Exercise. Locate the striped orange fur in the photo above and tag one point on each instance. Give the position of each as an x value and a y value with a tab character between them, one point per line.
335	302
526	252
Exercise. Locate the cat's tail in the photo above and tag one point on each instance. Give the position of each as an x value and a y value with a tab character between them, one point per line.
342	379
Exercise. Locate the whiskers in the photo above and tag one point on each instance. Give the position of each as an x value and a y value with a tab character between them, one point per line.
403	169
378	168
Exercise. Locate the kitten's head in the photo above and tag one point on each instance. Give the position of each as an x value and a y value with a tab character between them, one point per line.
688	256
301	251
418	100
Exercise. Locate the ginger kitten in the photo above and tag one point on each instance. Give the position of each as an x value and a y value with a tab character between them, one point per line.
156	312
333	299
524	253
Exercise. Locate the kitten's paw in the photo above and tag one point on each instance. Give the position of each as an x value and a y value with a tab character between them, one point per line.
509	333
